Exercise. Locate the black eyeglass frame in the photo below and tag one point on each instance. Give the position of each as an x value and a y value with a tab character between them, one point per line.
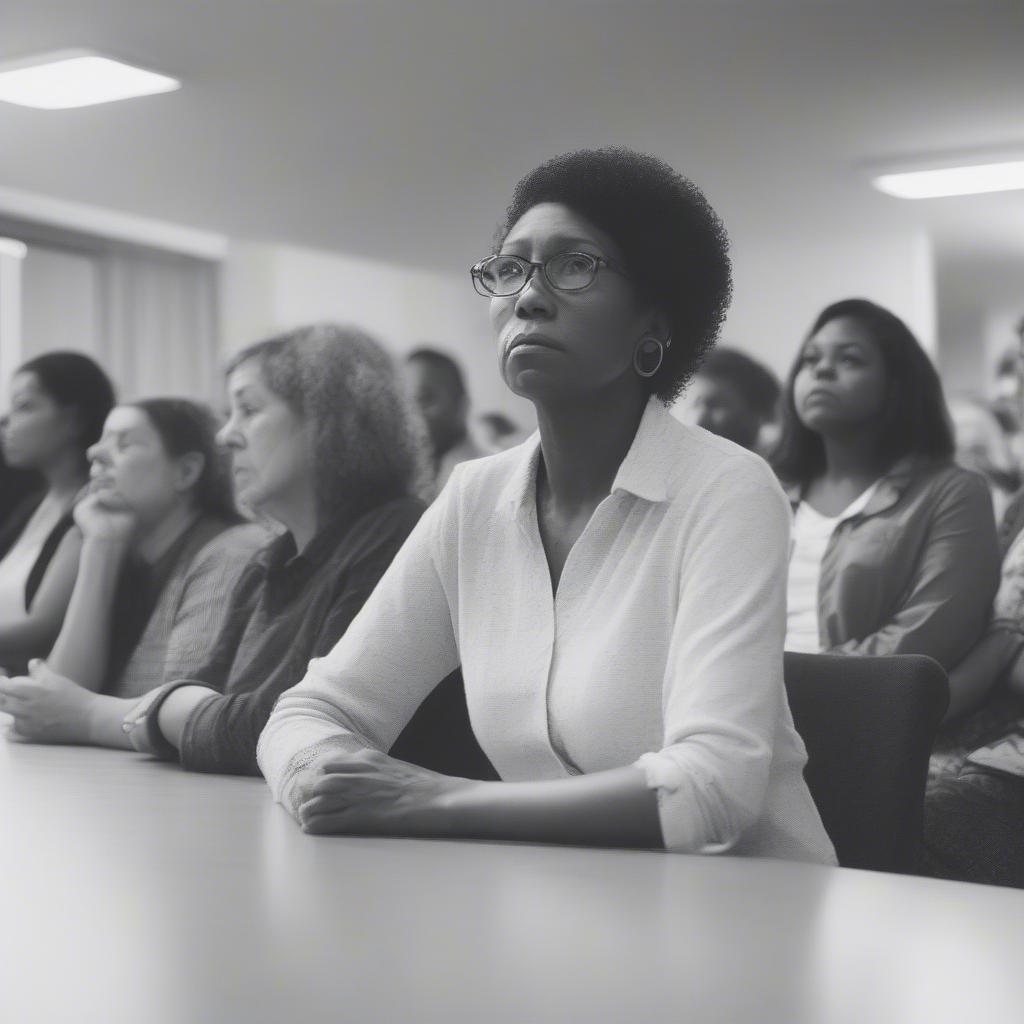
476	272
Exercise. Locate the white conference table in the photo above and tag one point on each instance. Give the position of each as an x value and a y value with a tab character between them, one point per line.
133	891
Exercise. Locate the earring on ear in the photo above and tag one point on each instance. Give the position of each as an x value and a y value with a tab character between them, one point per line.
649	355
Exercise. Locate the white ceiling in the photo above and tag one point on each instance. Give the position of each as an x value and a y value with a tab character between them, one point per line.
396	130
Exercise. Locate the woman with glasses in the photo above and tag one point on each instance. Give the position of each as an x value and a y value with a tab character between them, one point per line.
614	589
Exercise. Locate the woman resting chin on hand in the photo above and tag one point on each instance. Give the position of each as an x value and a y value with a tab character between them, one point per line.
160	554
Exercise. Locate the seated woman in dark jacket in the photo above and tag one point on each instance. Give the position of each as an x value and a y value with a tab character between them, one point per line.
322	443
894	547
58	404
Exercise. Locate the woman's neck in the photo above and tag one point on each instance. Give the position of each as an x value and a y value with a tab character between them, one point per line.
584	442
297	513
65	477
152	542
856	457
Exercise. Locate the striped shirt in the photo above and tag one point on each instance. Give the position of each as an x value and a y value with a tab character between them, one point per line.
188	591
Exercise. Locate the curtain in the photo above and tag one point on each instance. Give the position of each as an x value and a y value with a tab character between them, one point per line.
158	331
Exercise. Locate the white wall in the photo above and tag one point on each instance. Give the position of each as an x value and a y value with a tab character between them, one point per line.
267	288
780	285
12	254
148	317
980	303
60	302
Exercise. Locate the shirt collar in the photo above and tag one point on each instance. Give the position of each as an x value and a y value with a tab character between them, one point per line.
281	553
890	487
644	471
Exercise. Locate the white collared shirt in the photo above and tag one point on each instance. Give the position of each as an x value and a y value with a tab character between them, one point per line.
663	644
812	532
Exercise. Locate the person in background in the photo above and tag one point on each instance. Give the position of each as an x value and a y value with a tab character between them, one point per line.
894	546
438	389
1007	403
974	819
981	445
16	485
613	588
500	432
162	548
58	404
1007	390
323	444
733	396
974	804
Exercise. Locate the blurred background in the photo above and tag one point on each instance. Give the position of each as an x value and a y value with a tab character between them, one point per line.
350	160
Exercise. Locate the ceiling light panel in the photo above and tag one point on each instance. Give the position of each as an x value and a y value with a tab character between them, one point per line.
77	79
1003	176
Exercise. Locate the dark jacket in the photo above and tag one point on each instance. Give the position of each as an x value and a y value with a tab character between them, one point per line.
287	608
916	571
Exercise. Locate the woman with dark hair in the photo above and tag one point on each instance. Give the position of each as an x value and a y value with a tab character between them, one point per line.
613	588
322	443
58	404
161	551
894	546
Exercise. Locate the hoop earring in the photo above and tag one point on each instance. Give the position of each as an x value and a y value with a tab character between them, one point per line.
648	357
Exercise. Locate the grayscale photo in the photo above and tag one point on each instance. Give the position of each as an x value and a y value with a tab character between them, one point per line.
511	512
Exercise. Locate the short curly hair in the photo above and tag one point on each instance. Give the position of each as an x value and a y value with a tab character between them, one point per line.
674	245
366	443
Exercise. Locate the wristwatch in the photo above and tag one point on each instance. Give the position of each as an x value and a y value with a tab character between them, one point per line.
142	723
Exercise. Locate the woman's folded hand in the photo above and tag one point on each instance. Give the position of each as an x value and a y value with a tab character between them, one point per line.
370	793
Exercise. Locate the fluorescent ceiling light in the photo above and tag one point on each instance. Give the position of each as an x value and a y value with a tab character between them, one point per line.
76	78
1003	176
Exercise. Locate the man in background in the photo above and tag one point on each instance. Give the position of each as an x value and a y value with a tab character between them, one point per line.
733	396
438	388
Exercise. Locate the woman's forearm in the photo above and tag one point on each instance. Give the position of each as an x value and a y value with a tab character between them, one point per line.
609	808
176	710
32	635
22	640
971	680
82	648
104	721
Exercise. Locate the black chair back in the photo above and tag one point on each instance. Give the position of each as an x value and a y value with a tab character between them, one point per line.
869	725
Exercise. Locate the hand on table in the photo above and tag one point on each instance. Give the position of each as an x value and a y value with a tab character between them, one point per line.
370	793
46	707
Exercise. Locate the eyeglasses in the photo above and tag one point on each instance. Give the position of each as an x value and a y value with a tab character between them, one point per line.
508	275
